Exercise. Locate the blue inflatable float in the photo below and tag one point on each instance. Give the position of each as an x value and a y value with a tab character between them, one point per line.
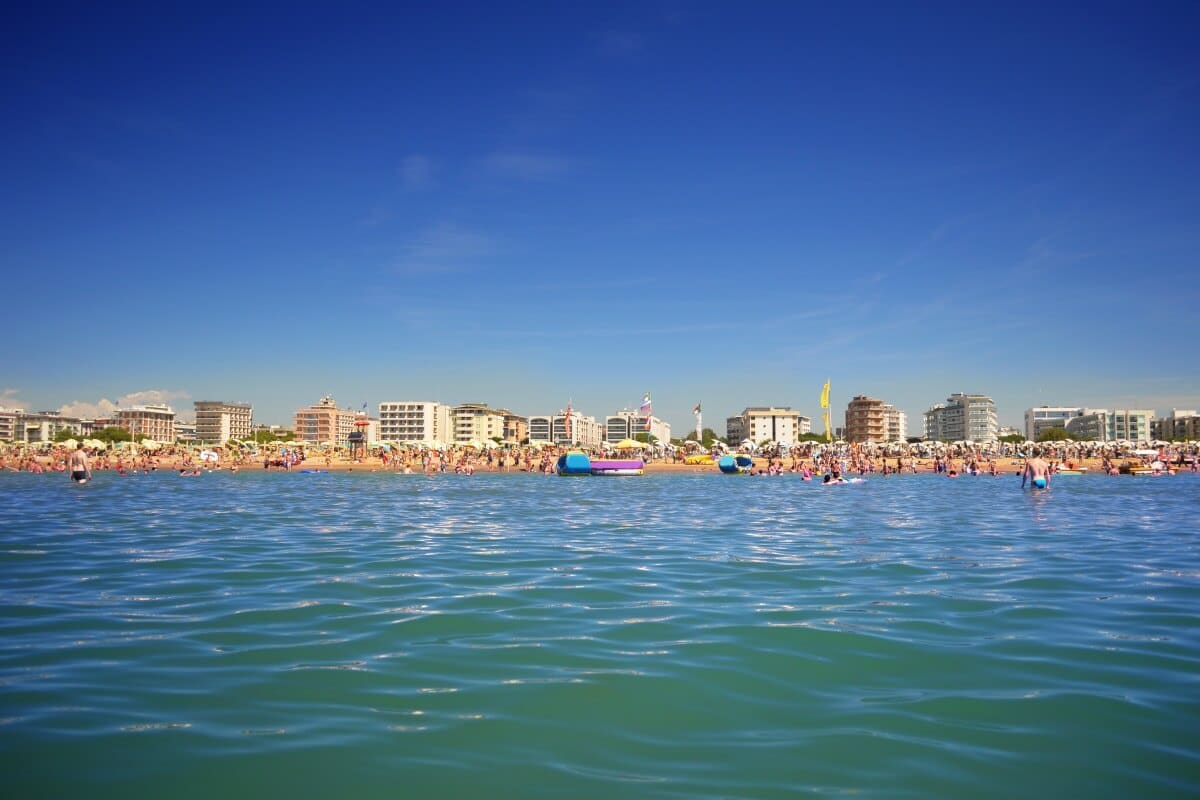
735	465
574	464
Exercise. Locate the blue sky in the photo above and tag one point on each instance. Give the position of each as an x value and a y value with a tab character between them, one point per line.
528	203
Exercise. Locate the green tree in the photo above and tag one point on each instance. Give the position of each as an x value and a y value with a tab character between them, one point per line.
1012	438
264	436
64	434
811	437
1053	435
113	434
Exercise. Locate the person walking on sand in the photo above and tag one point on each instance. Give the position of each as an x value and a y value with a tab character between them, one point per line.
1038	473
81	470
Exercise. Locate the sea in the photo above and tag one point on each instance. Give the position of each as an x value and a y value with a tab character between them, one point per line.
374	635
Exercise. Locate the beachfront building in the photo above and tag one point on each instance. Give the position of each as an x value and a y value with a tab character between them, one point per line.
32	427
963	417
414	421
777	424
8	424
217	421
1179	425
476	422
895	424
866	420
585	431
628	424
324	422
1039	420
1103	425
155	422
185	432
516	427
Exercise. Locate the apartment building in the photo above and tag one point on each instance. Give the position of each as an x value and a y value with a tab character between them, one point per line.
324	422
218	421
866	420
155	422
475	421
778	424
414	421
963	417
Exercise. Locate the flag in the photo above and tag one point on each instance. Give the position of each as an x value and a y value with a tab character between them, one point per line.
825	395
644	408
364	406
696	410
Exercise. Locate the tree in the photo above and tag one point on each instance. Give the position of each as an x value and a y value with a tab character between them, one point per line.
264	436
1053	435
113	434
1012	438
811	437
64	434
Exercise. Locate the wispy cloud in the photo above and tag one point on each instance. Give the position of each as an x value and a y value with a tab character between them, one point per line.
417	173
105	407
525	166
442	249
8	399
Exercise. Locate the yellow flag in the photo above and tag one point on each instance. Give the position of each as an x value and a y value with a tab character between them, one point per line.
825	395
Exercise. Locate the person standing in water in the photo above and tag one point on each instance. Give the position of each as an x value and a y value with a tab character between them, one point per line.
1038	473
80	469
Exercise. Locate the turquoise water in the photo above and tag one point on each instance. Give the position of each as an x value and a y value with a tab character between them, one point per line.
374	635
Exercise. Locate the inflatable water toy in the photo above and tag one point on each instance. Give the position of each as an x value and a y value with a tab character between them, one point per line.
618	467
574	464
735	465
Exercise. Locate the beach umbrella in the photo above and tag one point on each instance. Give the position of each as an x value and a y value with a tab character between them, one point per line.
629	444
70	444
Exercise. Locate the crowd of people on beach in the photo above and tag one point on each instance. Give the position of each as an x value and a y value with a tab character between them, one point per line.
810	459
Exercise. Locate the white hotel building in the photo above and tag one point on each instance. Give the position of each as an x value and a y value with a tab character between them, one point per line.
415	421
552	428
217	421
627	424
767	423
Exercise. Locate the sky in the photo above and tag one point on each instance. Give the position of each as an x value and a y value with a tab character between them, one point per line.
527	204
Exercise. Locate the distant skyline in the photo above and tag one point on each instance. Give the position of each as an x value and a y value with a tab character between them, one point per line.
525	204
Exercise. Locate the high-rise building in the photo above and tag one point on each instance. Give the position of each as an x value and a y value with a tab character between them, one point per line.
516	427
963	417
324	422
217	421
584	430
627	424
1039	420
866	420
8	424
758	424
895	424
1102	425
1179	425
415	421
155	422
32	427
475	421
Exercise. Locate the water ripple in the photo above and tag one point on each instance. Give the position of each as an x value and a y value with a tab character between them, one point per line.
670	636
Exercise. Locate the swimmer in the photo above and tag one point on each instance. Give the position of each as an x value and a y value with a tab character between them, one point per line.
1038	473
